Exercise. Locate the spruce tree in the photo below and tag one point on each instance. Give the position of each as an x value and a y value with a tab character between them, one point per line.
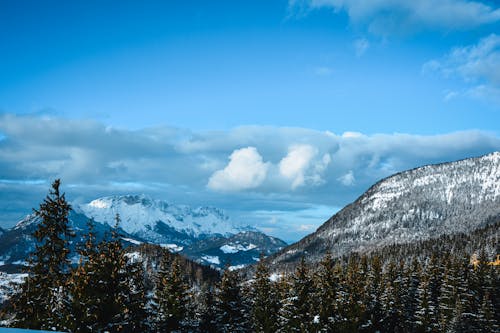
171	296
84	296
298	311
265	300
230	305
207	311
43	301
327	287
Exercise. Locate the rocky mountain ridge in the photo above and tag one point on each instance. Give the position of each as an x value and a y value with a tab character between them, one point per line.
413	205
178	228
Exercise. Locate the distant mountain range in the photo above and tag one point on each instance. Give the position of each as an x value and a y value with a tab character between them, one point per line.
419	204
204	234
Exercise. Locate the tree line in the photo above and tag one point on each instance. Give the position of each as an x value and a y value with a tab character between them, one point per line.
390	290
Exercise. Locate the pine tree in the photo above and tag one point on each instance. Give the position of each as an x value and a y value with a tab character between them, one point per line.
265	305
171	296
327	287
298	311
83	292
135	302
351	298
374	297
448	295
410	298
486	316
43	301
110	285
230	307
392	298
207	310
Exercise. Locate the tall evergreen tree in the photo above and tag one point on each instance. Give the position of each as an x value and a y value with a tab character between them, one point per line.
265	304
43	302
171	296
298	311
230	305
327	287
84	296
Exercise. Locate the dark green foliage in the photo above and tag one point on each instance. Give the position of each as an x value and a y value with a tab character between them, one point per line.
42	302
171	297
265	304
427	286
298	311
230	306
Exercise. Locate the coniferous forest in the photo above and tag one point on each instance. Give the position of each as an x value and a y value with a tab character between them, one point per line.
450	284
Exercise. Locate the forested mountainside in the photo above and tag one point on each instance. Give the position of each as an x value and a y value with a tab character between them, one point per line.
451	285
414	205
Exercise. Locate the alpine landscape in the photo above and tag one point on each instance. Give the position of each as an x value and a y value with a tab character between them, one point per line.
265	166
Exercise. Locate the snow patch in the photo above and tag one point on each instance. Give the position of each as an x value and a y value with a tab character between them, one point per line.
131	240
211	259
233	268
133	256
228	248
172	247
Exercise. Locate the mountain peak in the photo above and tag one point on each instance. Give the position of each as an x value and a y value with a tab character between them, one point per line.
417	204
148	218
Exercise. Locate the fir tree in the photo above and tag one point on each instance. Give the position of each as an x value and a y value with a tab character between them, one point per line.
265	304
171	296
83	292
298	311
327	287
230	305
43	302
207	310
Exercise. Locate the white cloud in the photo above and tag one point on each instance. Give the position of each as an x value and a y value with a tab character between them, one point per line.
347	179
245	170
295	164
389	17
360	46
177	165
477	65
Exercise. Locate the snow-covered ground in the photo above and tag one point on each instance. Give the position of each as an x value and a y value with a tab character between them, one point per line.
233	248
7	282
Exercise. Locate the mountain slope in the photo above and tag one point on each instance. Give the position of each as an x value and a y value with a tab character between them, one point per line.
144	220
418	204
160	222
237	250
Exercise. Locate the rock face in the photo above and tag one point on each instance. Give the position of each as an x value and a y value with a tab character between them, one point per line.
194	232
418	204
159	221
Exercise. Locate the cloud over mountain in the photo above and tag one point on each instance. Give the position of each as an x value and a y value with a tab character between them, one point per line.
275	168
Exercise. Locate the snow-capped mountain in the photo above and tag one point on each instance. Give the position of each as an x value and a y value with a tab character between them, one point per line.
178	228
418	204
160	222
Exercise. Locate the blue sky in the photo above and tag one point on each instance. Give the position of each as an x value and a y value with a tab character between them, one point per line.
280	112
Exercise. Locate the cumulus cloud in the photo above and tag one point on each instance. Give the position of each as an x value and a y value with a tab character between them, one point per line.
294	165
389	17
183	166
477	65
245	170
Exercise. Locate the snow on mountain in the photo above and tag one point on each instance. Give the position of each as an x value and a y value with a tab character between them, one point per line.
157	221
238	250
418	204
196	233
